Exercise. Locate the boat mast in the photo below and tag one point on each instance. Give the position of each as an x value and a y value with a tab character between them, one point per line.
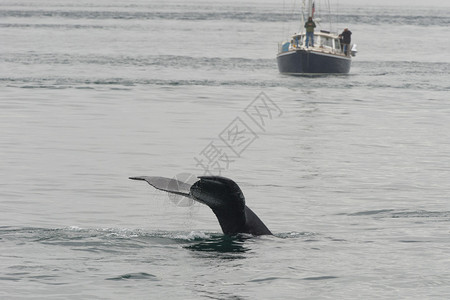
303	17
310	12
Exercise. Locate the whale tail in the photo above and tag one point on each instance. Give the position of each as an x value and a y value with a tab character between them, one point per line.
222	195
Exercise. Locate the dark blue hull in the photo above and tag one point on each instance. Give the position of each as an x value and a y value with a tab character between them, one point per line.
303	61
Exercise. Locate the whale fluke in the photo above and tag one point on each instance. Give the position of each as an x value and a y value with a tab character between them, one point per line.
222	195
167	184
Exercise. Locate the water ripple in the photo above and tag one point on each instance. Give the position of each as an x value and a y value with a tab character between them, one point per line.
135	276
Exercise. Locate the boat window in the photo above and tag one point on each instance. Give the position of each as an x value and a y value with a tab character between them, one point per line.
327	42
317	40
337	44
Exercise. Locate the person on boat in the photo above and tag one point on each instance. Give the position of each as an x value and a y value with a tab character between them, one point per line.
310	25
346	38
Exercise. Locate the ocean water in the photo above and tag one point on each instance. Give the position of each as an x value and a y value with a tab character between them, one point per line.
351	173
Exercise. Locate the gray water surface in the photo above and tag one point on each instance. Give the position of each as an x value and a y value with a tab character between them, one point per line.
350	174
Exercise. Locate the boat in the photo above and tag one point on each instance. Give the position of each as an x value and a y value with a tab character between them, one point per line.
328	55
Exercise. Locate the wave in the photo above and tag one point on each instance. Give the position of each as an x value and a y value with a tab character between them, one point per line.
187	15
60	236
167	61
441	216
395	19
51	26
185	70
278	81
119	241
204	62
135	276
397	16
125	83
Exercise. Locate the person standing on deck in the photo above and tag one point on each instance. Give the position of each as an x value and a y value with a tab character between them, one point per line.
346	37
310	25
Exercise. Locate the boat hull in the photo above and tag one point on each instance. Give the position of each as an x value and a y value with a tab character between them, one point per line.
309	61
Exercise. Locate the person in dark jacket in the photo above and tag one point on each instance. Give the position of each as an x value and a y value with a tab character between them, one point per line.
346	38
310	25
